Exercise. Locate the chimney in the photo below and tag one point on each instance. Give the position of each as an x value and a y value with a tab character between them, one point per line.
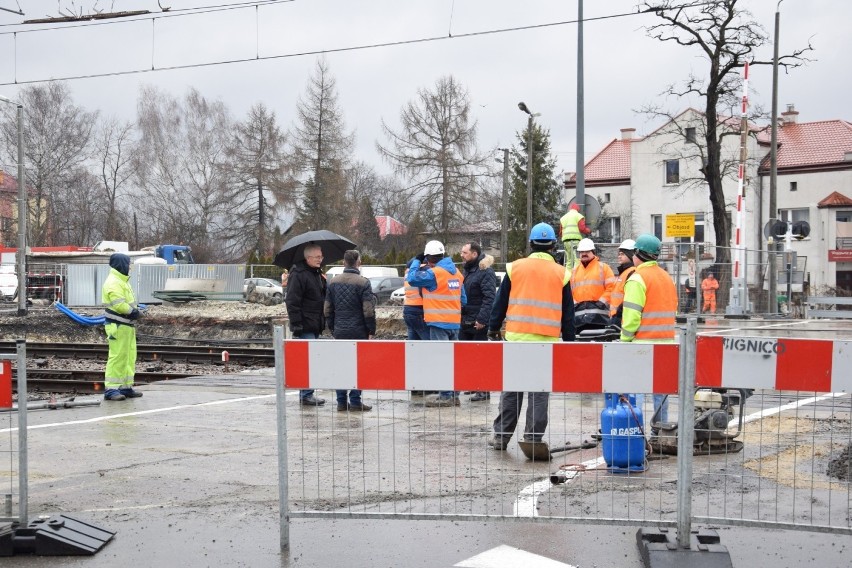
627	133
790	116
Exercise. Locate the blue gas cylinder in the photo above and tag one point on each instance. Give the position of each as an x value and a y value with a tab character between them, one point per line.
622	439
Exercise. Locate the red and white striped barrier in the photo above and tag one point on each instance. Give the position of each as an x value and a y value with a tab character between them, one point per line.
5	384
781	364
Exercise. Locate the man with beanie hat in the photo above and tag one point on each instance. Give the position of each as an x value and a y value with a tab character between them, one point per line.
625	269
120	315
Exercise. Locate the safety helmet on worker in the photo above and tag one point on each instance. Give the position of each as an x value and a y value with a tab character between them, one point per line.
575	207
627	245
648	247
586	245
434	248
543	234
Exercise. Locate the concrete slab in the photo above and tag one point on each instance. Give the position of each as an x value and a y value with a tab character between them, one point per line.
187	476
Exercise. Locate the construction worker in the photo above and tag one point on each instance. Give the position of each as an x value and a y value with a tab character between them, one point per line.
120	313
708	289
442	286
625	269
535	300
592	283
650	303
572	229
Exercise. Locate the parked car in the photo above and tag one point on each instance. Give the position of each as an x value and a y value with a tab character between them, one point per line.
264	286
397	296
383	287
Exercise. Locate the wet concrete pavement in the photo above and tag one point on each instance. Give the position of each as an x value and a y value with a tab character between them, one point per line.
187	476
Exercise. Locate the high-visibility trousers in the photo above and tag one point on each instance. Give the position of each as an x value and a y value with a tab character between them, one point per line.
121	364
709	302
571	258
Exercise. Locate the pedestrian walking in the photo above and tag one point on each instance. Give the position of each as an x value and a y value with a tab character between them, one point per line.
120	316
480	286
708	288
650	303
572	229
306	288
350	313
535	301
442	286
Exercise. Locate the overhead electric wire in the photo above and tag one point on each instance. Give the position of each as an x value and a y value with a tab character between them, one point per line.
172	13
340	49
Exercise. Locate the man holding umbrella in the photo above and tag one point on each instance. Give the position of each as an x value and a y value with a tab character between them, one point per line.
306	288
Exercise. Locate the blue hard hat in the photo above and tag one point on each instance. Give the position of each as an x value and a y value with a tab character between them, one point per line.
542	234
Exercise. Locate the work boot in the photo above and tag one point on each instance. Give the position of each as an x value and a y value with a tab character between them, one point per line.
499	443
360	407
130	393
311	401
114	395
480	396
443	401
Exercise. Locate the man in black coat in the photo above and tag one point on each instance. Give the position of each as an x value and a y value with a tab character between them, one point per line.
350	311
480	285
305	297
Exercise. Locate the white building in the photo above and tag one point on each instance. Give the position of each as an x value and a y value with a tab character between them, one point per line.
642	180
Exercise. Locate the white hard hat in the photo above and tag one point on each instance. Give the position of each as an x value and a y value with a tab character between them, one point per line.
628	244
585	245
434	247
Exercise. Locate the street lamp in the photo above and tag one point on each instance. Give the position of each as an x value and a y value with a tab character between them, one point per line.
22	213
524	108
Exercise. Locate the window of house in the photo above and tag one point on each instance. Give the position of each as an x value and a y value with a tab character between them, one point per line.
606	198
657	226
610	230
794	215
672	171
690	134
794	186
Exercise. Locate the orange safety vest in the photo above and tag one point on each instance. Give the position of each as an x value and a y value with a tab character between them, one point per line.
535	301
592	283
658	313
413	297
617	297
444	304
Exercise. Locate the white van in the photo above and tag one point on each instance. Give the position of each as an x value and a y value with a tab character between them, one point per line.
366	271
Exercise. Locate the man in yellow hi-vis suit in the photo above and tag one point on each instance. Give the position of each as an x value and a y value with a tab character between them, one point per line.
120	313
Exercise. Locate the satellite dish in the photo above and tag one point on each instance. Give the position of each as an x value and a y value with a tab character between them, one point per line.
801	229
592	210
774	229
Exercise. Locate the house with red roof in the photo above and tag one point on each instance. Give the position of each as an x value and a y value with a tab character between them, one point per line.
642	180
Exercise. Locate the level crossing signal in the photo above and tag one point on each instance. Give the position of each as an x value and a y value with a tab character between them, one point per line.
778	229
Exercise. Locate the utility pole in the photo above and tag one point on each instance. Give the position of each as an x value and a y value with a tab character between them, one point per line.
22	213
530	125
773	170
504	226
580	175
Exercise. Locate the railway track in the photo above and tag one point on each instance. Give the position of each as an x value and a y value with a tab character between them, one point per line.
164	353
85	381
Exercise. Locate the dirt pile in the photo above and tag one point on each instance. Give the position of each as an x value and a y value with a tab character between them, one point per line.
200	321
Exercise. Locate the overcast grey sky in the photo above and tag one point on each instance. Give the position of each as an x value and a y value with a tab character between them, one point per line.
624	68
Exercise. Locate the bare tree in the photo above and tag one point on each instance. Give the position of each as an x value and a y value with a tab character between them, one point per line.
56	141
266	187
113	152
322	149
182	170
727	36
435	149
83	222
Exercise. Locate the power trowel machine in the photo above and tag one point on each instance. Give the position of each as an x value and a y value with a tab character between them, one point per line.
718	421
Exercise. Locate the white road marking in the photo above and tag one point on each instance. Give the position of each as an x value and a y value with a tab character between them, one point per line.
142	412
526	505
504	556
778	409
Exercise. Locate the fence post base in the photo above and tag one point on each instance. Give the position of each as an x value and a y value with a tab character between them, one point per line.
659	549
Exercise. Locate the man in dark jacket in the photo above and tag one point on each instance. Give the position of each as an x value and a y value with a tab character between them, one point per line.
350	311
480	284
305	296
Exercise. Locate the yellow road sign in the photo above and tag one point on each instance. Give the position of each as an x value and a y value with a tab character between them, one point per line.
680	225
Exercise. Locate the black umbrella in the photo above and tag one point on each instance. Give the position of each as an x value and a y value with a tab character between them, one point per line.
333	246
